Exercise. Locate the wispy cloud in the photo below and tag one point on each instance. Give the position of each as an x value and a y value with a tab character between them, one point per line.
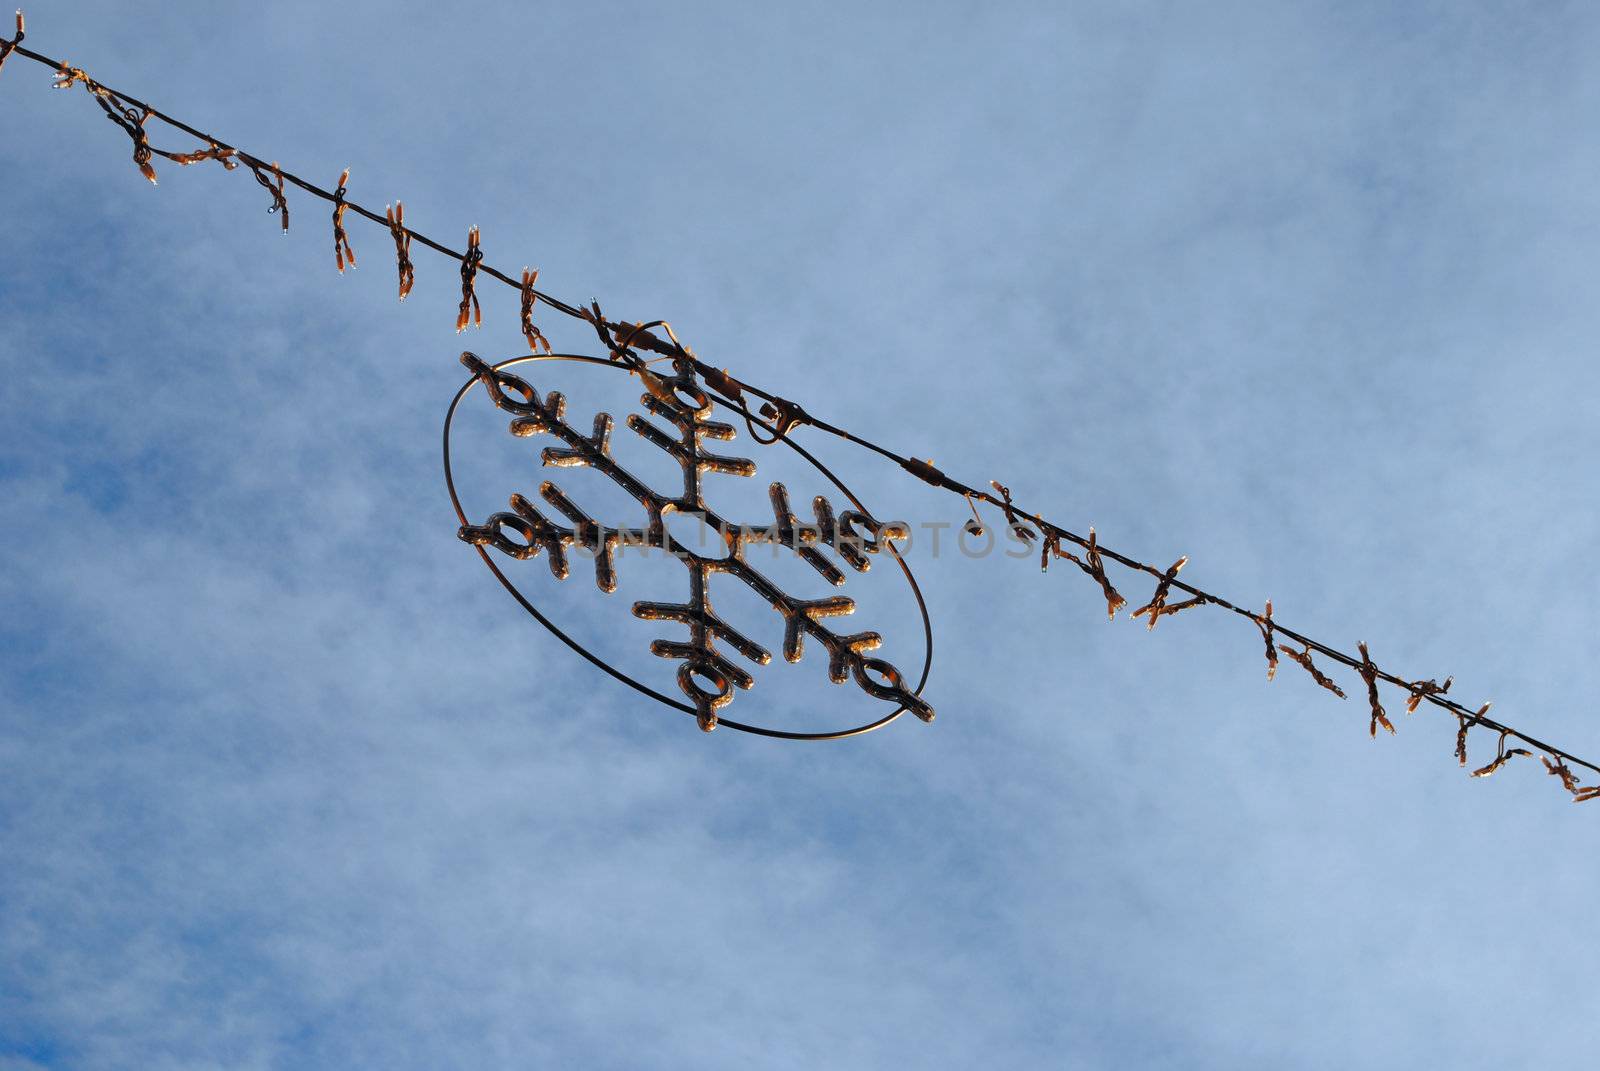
285	781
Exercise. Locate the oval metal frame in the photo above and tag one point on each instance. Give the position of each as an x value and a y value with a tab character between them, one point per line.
640	686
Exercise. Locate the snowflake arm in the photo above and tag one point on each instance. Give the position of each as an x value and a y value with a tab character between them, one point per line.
706	675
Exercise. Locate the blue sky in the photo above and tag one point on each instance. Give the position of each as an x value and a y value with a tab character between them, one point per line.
1303	291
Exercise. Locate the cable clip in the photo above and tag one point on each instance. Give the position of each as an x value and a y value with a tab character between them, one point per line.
341	241
597	319
1091	563
619	351
132	121
1157	607
1304	658
1420	690
470	312
402	246
1264	623
7	46
1467	722
278	203
66	77
1018	529
221	154
1502	756
783	415
722	381
927	473
534	336
1560	769
1369	673
631	334
1580	793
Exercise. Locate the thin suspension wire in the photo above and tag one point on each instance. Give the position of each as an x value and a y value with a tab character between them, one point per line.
783	414
1437	699
100	89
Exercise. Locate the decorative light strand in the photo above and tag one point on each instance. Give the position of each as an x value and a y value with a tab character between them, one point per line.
620	338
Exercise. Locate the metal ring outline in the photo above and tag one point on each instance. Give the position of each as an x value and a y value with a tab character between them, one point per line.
640	686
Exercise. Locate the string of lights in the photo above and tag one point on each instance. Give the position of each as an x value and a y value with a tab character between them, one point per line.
782	416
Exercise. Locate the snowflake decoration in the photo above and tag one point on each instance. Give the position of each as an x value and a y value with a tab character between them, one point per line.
706	675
